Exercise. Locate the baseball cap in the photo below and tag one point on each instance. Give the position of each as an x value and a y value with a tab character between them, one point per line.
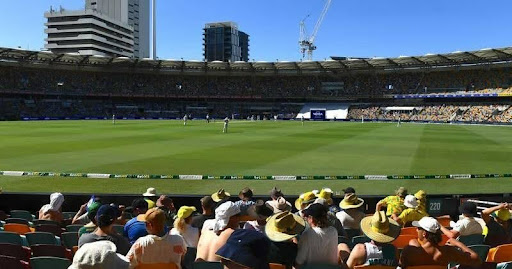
106	215
428	224
185	211
315	210
502	214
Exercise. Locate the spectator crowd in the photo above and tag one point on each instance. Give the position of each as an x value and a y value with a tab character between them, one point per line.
253	233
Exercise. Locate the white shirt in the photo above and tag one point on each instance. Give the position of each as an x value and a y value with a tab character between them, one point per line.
467	226
351	221
191	236
153	249
318	245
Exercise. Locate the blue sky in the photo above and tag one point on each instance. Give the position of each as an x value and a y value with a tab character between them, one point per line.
356	28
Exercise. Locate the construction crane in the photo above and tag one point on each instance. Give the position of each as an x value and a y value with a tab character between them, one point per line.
306	42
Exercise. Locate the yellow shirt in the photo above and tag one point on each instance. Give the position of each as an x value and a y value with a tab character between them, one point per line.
394	204
411	214
422	205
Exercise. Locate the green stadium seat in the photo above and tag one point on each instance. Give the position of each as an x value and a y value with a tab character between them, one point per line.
352	232
22	214
18	221
359	240
68	215
118	228
481	250
41	238
474	239
70	239
49	263
49	228
74	227
504	265
50	251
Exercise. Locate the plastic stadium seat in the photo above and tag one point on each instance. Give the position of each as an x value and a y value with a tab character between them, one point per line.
74	227
444	239
17	228
207	265
403	240
481	250
189	258
409	231
343	239
502	253
15	251
352	232
444	220
44	221
17	220
68	215
50	251
3	215
41	238
320	266
474	239
49	263
22	214
11	263
49	228
507	265
70	239
118	228
276	266
157	266
10	238
359	240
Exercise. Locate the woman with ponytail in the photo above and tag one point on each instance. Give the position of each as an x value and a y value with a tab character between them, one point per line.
182	226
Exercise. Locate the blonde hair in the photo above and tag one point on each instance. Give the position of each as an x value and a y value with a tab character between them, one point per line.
181	224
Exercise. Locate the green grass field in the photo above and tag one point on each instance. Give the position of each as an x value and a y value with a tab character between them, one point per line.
252	148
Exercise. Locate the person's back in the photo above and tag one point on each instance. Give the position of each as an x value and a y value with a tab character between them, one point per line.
429	252
152	249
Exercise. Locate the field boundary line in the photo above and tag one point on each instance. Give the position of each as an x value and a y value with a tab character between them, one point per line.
247	177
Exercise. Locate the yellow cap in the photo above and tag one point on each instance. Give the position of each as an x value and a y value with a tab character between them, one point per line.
151	204
185	211
502	214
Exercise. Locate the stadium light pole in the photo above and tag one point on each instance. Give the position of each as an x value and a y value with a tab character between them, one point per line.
154	29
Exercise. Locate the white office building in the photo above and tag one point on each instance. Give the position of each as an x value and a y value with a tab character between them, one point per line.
118	28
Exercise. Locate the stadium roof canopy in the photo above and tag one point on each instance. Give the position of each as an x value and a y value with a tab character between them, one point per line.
335	64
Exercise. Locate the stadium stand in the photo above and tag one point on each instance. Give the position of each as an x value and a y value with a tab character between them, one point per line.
471	87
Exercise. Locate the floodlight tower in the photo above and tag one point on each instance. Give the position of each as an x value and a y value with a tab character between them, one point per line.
306	42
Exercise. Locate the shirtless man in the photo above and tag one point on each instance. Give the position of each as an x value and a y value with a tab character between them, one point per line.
216	231
426	249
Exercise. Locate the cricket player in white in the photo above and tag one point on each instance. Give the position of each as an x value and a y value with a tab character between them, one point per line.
207	118
302	120
225	129
185	118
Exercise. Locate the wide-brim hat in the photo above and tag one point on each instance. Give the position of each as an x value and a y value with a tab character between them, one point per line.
380	228
99	254
326	194
150	192
280	205
220	195
284	226
351	201
305	199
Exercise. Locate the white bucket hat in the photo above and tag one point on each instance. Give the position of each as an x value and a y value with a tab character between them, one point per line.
99	255
410	201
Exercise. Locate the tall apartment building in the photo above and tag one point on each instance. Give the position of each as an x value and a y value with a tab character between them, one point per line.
224	42
104	27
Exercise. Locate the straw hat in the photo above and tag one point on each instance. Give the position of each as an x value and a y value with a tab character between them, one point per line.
305	198
351	201
220	195
280	205
326	194
380	228
284	226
